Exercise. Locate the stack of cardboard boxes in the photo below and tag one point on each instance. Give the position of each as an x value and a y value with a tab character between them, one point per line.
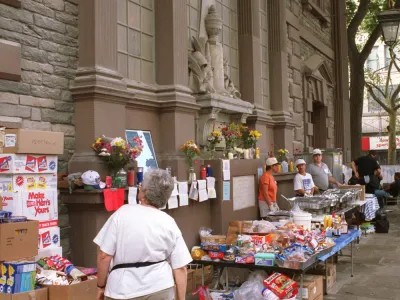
28	182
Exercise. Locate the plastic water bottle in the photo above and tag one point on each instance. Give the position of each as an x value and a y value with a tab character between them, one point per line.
285	166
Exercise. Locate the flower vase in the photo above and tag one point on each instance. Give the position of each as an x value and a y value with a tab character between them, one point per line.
192	175
120	179
212	151
252	152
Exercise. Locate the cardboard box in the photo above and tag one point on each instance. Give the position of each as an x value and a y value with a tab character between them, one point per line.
28	164
81	291
361	187
190	281
41	206
18	240
40	294
28	182
312	287
51	251
330	280
49	237
208	276
33	141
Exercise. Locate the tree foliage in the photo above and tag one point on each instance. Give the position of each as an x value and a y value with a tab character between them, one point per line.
370	20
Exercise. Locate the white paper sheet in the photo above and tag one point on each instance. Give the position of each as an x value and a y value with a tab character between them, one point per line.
175	190
211	188
226	169
203	195
183	193
132	195
194	193
173	202
227	174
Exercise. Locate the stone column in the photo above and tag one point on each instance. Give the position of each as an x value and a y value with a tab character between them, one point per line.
98	91
178	107
342	104
278	76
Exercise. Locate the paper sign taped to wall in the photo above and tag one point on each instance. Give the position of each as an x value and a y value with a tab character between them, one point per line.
226	191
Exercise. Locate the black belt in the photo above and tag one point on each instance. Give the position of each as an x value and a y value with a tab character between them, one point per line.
135	265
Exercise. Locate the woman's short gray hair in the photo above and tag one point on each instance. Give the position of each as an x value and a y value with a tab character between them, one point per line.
159	185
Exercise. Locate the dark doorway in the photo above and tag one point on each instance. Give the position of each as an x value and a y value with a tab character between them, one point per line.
319	119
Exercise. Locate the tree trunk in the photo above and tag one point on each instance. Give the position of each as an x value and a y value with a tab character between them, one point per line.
357	84
392	159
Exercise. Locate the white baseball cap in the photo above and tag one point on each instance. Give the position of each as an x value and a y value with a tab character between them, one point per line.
317	152
92	178
300	162
271	161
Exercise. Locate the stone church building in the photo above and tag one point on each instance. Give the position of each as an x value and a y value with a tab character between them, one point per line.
177	68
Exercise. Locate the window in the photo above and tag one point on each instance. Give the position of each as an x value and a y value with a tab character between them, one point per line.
373	59
136	40
373	106
193	19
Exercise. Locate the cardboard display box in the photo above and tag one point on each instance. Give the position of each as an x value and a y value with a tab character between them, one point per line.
18	240
28	182
40	294
85	290
33	141
28	164
312	287
331	280
361	187
41	206
197	277
49	237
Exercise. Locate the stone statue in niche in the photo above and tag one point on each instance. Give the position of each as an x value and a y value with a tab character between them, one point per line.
229	86
201	75
207	64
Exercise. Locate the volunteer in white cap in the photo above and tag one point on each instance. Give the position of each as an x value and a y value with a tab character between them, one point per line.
303	182
268	188
320	172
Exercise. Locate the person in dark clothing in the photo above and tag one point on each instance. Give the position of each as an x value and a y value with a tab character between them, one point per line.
394	187
353	180
364	167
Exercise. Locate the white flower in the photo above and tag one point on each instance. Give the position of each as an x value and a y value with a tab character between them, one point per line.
118	142
104	154
238	150
104	150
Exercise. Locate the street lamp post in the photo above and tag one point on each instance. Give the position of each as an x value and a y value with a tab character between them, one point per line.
390	21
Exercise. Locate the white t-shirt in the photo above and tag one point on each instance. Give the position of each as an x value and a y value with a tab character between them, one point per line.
305	182
136	233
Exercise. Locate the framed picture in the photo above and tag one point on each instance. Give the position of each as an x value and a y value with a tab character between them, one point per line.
147	159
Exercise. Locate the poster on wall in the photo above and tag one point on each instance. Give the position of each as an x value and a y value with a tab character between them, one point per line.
147	159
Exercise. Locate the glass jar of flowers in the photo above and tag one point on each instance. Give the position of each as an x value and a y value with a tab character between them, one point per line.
249	139
213	139
117	153
191	150
231	134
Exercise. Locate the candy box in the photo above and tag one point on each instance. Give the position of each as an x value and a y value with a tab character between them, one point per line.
20	276
49	237
3	278
264	259
281	285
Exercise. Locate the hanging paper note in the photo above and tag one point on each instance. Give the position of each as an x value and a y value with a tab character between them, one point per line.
226	191
211	188
132	194
183	193
203	195
259	173
173	202
194	193
226	169
175	190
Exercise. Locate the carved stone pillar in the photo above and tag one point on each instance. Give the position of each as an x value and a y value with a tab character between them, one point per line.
278	74
342	104
249	51
99	106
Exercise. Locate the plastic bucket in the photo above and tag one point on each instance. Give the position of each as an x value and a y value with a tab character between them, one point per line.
302	218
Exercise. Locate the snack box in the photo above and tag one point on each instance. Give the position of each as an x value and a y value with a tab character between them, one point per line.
20	276
27	164
41	206
49	237
281	285
213	247
27	182
264	259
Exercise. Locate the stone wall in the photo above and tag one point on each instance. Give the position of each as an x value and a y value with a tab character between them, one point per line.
299	50
47	31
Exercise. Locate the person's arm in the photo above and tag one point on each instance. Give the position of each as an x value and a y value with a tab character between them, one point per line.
314	188
180	275
334	181
265	194
103	265
354	168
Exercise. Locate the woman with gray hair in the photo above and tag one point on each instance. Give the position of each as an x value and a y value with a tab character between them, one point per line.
143	247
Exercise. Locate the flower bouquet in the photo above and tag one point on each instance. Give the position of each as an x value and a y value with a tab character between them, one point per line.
213	139
191	151
282	154
249	137
117	152
231	134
